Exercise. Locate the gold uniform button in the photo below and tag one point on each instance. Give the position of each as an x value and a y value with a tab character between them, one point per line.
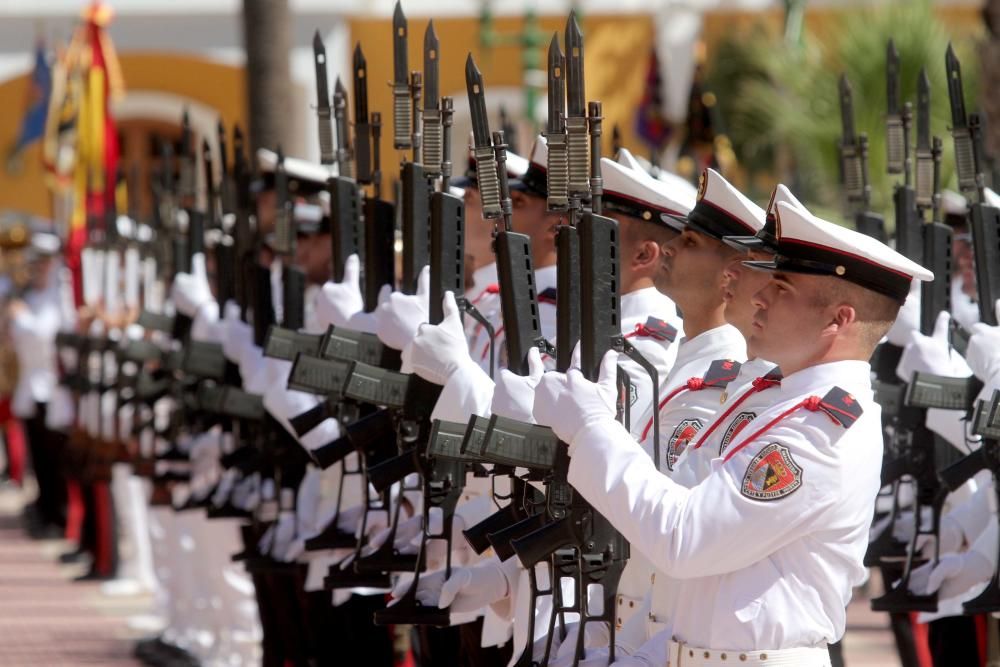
763	657
690	653
841	270
723	656
631	603
707	655
743	657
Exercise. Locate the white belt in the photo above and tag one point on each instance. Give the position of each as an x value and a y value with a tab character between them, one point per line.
683	655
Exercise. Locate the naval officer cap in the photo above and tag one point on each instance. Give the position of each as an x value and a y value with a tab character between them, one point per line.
807	244
721	211
635	193
680	184
534	179
766	240
304	177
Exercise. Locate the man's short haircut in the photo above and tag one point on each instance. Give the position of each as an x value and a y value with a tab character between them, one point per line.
875	312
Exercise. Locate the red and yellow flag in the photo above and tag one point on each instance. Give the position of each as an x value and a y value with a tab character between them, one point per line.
81	145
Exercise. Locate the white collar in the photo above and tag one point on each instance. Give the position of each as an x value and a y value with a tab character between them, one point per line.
545	277
646	302
850	375
722	342
483	277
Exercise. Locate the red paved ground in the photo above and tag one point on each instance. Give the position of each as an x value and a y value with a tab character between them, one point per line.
46	619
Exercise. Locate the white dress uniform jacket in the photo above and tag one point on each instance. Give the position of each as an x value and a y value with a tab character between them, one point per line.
683	411
33	333
771	543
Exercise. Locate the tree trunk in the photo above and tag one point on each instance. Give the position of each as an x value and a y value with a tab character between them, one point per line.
266	38
989	80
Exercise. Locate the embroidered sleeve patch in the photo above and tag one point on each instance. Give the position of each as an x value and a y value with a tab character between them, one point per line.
660	329
738	424
682	436
772	474
721	373
841	406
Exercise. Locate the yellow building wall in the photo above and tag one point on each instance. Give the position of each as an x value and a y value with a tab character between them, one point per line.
616	52
221	87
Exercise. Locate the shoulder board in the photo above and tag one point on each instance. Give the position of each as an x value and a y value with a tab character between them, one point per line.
721	373
660	329
841	406
547	296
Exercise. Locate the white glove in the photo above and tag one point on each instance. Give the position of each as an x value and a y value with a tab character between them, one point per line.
191	291
569	402
336	303
953	575
983	353
467	590
514	395
238	335
931	354
950	538
438	351
368	322
596	635
406	532
399	317
282	534
908	319
436	553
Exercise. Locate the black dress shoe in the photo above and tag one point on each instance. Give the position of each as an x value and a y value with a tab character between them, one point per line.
71	557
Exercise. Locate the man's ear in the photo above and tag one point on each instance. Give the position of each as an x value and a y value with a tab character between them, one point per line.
518	199
647	254
842	317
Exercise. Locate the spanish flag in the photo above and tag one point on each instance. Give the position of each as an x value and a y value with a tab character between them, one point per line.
81	147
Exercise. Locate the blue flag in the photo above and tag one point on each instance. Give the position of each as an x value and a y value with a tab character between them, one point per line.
37	106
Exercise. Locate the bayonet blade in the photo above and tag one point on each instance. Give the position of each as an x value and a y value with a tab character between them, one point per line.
892	78
343	133
284	235
401	110
477	104
326	155
400	66
846	111
360	86
575	95
557	86
431	63
362	130
895	132
955	92
924	167
923	111
489	180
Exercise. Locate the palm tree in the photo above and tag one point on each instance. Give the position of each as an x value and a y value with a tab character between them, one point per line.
780	107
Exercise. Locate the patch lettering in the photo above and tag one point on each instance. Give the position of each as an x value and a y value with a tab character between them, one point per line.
682	436
772	474
738	424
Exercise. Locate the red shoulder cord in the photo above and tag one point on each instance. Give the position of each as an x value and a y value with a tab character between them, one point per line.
758	385
811	403
693	384
642	331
